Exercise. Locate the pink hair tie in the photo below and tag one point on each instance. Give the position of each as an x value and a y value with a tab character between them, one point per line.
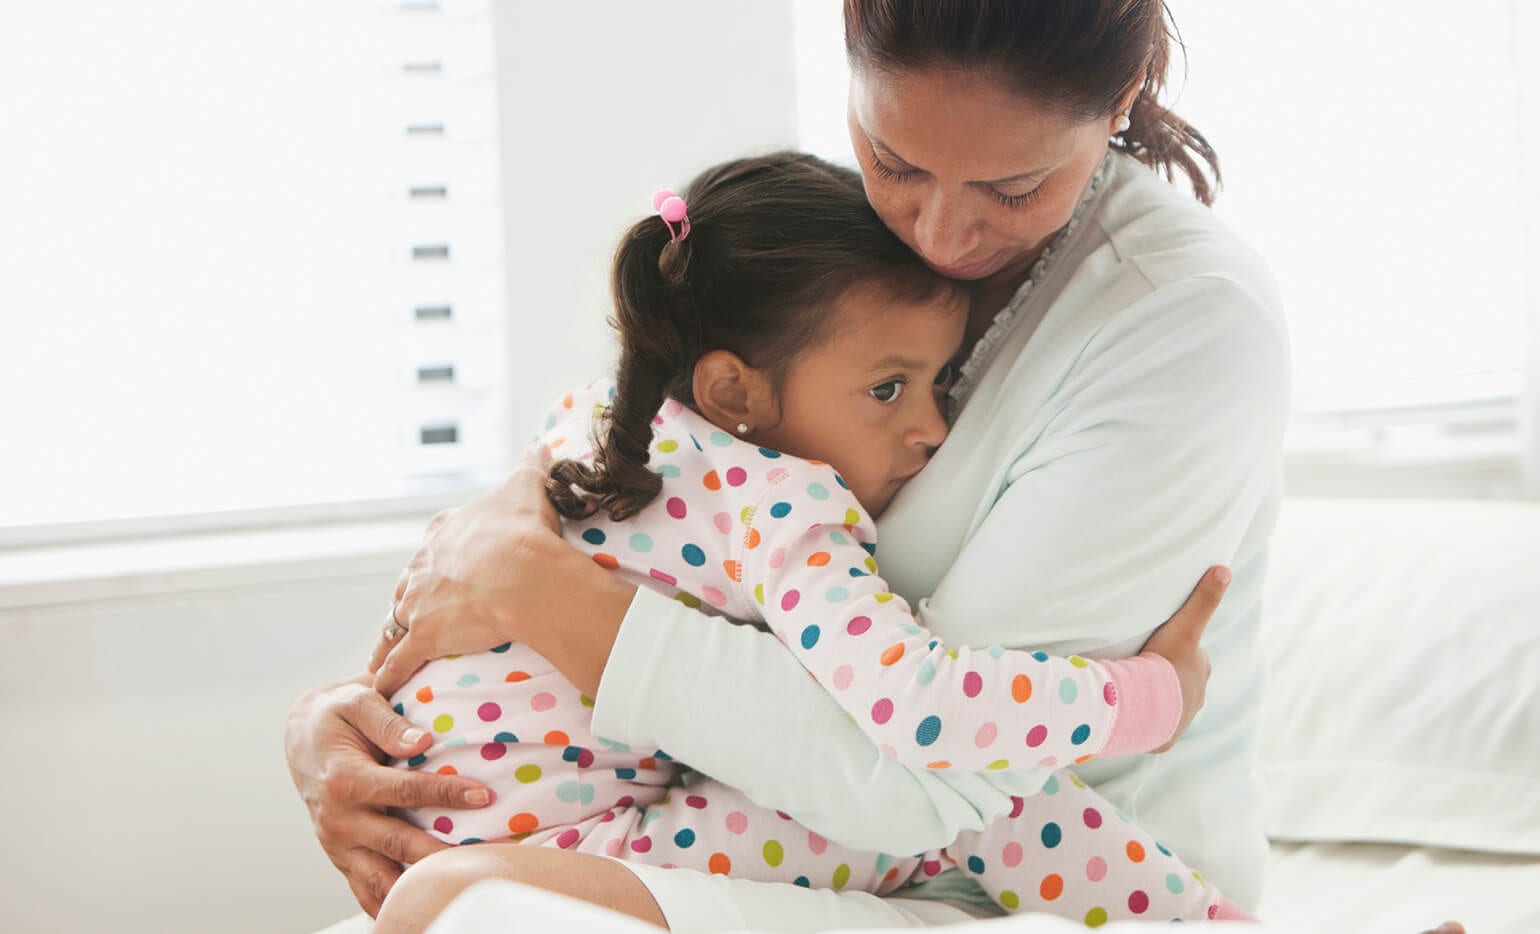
671	208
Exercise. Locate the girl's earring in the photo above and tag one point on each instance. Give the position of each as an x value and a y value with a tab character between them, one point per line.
742	428
1122	125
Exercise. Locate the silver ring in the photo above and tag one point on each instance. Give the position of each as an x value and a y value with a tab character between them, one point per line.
392	630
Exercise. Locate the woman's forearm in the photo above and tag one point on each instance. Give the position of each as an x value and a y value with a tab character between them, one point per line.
595	600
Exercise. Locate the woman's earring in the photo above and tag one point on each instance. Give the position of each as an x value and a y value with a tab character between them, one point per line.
742	428
1122	125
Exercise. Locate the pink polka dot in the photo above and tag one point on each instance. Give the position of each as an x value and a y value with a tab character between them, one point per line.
790	599
858	625
642	844
657	419
1011	855
673	407
1037	736
489	711
443	825
585	758
1110	694
676	508
932	867
737	822
714	596
783	815
1213	912
724	522
612	848
1096	869
625	801
973	683
1018	804
888	751
776	475
1138	902
668	579
567	838
843	675
882	711
1048	762
606	817
816	843
493	751
737	476
986	735
777	557
1093	818
696	802
543	701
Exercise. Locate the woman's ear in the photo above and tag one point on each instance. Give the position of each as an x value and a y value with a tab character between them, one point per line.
733	395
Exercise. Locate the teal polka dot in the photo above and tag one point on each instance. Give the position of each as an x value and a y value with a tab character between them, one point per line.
550	422
802	881
780	510
1174	884
838	538
685	838
1162	849
809	637
641	542
884	861
593	536
721	439
837	595
693	556
975	865
927	672
467	680
1081	734
817	491
769	453
670	471
841	481
1068	691
995	651
505	737
910	629
929	730
1052	835
1051	787
1040	656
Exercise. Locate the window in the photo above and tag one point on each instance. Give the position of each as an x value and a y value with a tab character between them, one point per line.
249	256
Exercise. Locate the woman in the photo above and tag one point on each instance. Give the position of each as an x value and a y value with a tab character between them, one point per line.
1120	419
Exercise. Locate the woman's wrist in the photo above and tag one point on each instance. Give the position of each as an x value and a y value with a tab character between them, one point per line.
581	615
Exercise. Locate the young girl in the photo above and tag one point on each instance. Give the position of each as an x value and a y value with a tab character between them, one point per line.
783	369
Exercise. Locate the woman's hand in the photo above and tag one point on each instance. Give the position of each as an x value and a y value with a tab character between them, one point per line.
1177	642
336	739
474	566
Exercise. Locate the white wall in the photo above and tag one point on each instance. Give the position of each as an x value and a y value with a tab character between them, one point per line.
1526	31
598	110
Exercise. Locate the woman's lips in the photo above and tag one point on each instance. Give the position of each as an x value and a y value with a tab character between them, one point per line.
966	271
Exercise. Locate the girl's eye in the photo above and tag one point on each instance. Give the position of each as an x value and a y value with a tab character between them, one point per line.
889	392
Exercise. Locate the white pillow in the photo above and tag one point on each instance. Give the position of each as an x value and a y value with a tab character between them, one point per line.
1403	702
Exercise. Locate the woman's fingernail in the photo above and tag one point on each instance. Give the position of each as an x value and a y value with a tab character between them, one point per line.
478	797
1222	577
412	737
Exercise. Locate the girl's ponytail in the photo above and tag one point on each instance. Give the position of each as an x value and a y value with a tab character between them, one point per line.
650	305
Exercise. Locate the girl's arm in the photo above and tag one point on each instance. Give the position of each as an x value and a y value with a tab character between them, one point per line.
807	562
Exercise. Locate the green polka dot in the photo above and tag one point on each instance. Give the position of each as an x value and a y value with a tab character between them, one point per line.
585	700
688	599
1174	884
1078	662
998	764
841	876
1051	787
817	491
852	517
1096	917
747	515
668	447
1199	876
641	542
773	853
882	597
1010	900
759	593
871	564
443	723
1075	779
527	773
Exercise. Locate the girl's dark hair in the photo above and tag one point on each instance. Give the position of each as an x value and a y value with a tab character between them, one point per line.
1077	56
774	241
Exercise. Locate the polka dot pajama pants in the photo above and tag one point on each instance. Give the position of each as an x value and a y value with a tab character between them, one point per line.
508	719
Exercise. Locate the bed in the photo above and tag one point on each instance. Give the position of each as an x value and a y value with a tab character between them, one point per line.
1400	735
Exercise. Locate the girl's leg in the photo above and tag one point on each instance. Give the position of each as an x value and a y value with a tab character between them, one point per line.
1067	851
427	887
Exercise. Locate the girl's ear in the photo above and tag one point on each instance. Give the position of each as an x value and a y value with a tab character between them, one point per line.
730	393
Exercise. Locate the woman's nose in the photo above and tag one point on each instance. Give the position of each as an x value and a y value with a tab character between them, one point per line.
942	233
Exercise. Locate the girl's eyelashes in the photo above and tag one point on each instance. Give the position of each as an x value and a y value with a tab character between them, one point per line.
888	392
948	375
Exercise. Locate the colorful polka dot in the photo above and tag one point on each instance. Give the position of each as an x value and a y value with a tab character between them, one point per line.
711	481
1138	902
809	637
489	712
1174	883
892	654
1011	855
719	864
1081	734
973	683
1110	694
593	536
1135	851
670	470
1096	869
1096	917
526	774
693	555
1037	736
773	852
714	596
724	522
986	735
882	711
1010	900
780	510
737	822
444	825
543	701
1051	835
523	822
567	838
668	579
1092	818
858	625
926	674
844	675
737	476
1052	887
817	491
1021	689
1068	691
668	447
684	839
493	751
841	876
676	507
928	731
443	723
720	439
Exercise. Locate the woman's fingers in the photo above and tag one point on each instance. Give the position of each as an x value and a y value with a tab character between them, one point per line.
370	714
370	876
406	656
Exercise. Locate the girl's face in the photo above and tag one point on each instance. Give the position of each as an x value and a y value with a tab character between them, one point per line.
869	397
974	178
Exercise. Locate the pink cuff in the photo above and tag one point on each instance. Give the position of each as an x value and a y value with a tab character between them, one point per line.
1148	700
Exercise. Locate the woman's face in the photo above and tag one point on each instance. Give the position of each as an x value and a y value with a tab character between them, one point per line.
975	178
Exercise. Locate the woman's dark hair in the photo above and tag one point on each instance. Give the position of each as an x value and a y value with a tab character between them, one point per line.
1077	56
774	241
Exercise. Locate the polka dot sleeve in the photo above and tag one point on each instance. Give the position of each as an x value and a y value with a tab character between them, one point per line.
809	566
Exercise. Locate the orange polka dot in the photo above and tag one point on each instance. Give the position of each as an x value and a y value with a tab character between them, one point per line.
753	538
608	562
1052	887
649	763
514	677
734	571
818	559
524	822
566	401
938	764
1084	759
448	770
557	738
893	653
719	864
425	695
555	443
712	481
1021	689
1135	851
892	874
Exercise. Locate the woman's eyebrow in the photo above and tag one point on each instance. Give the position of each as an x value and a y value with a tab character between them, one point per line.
1016	179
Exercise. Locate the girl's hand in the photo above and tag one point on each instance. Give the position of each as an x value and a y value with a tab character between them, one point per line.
1177	642
477	562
